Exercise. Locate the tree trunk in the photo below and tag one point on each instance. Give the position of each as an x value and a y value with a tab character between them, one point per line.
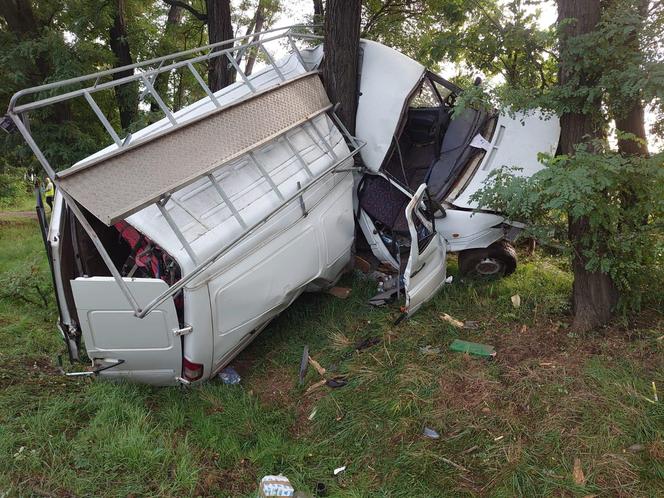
220	28
342	40
632	121
594	293
126	95
258	21
166	46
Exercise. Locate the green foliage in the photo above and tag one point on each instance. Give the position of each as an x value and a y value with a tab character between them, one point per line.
26	282
621	197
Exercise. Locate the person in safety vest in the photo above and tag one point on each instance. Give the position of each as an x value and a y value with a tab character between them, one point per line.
49	192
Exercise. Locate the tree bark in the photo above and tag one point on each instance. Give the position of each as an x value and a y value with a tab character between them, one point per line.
220	28
342	41
633	120
165	47
594	293
259	20
126	95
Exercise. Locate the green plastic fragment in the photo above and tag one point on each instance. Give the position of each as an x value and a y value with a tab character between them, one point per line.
473	348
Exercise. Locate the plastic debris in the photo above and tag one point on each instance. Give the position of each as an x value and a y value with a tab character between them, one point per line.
339	470
474	348
451	320
312	414
340	292
275	486
429	350
449	279
471	324
516	301
430	433
336	382
229	376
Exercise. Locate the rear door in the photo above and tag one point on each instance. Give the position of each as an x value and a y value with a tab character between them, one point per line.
140	349
426	270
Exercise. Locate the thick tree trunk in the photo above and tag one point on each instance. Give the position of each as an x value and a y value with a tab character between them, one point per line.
594	293
220	28
166	46
259	20
126	95
342	40
632	121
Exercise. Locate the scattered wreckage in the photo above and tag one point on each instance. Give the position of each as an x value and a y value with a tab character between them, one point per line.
217	217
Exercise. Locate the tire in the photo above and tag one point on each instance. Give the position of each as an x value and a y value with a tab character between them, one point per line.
496	261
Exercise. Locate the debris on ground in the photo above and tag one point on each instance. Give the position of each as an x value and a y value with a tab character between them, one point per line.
449	279
339	292
474	348
429	350
321	371
362	264
320	489
339	470
383	298
430	433
229	376
304	364
654	392
315	386
577	473
636	448
451	320
367	343
336	382
516	300
312	414
471	324
275	486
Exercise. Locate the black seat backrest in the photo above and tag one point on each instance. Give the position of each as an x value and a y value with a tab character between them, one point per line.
455	151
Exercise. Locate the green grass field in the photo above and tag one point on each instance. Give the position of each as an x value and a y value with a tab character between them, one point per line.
514	426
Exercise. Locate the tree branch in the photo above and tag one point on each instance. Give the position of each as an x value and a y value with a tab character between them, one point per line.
198	15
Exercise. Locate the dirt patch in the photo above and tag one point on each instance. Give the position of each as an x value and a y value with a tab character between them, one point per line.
274	387
38	370
470	388
18	214
238	480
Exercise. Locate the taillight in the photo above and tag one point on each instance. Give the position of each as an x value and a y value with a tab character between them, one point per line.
190	370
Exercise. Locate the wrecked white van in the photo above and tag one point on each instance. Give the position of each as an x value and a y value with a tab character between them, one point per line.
173	247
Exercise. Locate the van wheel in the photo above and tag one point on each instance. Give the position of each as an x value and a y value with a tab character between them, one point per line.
497	260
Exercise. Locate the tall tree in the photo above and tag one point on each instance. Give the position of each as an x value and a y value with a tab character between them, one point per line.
342	41
125	94
220	28
594	294
167	45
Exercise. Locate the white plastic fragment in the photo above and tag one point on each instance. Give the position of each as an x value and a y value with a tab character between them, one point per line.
339	470
516	300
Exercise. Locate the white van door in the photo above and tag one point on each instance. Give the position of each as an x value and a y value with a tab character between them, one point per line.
137	349
426	270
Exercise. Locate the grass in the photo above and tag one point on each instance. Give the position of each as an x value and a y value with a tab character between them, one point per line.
513	426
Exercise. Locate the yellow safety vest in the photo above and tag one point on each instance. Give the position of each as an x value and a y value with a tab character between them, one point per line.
50	190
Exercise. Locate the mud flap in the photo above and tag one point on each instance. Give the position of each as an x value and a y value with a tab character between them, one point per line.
426	270
149	348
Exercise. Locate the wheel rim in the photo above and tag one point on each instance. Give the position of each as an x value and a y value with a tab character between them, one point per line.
488	267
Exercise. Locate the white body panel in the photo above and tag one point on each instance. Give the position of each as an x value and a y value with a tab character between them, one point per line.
387	79
516	142
425	272
151	351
